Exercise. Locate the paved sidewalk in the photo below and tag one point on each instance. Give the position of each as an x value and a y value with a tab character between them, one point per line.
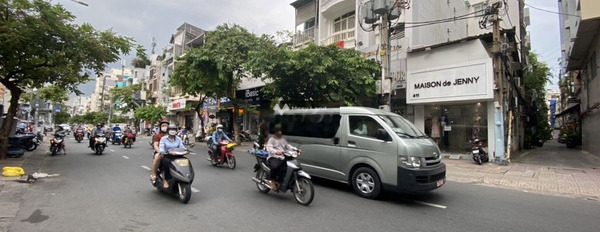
572	182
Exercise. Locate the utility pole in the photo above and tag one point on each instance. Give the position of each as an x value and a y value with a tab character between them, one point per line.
500	153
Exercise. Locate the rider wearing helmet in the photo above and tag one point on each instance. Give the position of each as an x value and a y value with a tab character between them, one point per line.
217	137
163	125
96	131
167	143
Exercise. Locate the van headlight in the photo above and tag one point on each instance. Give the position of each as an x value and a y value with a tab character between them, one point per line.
409	161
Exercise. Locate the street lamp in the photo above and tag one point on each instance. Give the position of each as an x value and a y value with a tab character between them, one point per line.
383	11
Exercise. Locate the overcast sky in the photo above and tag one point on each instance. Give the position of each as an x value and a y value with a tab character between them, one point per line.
144	19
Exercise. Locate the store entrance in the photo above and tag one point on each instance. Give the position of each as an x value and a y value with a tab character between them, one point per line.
452	127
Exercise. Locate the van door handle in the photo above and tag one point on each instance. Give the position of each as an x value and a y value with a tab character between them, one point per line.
336	141
351	143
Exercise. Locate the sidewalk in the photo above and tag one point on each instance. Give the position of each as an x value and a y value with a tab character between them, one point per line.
556	154
12	189
572	182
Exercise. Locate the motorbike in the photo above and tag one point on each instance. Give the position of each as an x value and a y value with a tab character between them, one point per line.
295	180
225	155
117	137
99	144
182	175
79	135
479	155
128	140
245	136
28	142
185	139
198	136
56	144
148	132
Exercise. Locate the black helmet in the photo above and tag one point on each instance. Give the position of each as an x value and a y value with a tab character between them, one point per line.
99	124
162	122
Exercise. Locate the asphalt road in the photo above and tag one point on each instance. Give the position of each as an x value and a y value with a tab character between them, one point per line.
112	193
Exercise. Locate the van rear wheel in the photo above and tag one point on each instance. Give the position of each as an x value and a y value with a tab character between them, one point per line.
366	183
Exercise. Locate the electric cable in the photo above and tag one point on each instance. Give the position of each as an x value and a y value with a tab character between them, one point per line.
540	9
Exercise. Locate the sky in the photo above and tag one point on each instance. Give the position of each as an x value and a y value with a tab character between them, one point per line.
145	19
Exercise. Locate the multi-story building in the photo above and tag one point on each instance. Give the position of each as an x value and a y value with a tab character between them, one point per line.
78	105
104	82
427	52
579	21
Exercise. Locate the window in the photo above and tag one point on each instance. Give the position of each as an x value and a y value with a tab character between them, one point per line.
593	66
479	8
364	126
309	24
402	127
310	125
343	23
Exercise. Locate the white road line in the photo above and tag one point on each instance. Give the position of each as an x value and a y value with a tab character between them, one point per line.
146	167
112	150
194	190
431	204
125	157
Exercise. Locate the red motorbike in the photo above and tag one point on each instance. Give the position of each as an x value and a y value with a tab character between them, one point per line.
128	140
79	135
225	155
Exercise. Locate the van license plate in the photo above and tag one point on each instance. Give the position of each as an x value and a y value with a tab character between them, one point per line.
440	183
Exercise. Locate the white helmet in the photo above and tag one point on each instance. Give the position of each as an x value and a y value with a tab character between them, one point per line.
219	126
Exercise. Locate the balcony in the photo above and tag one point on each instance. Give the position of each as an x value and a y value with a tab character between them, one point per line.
585	34
346	36
304	37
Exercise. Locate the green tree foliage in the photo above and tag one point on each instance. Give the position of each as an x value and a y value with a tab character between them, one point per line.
77	119
119	119
141	59
318	76
216	69
534	81
150	113
95	117
54	94
61	117
124	97
40	44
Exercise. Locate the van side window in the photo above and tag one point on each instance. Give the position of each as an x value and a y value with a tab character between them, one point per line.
311	125
364	126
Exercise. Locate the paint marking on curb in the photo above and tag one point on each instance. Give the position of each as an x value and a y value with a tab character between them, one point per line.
194	190
146	167
431	204
125	157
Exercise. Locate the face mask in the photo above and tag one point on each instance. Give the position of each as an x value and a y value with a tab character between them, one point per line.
163	129
172	132
220	130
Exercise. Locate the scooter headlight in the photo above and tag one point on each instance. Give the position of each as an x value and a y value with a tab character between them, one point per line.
409	161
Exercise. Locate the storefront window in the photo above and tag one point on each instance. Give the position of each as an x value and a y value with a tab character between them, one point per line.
453	126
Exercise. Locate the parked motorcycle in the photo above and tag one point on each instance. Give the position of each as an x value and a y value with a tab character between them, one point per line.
245	136
148	132
479	155
56	144
117	137
225	155
199	137
181	175
295	180
99	143
28	142
79	135
184	138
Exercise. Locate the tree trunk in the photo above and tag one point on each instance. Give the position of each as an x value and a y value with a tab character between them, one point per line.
231	90
198	107
15	94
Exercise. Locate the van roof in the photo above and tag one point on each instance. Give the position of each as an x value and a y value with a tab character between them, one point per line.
340	110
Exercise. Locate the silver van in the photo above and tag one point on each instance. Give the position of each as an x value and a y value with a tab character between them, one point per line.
371	149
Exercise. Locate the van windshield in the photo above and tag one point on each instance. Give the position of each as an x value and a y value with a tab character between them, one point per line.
402	127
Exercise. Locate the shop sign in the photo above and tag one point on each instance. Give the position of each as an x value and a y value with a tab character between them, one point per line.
472	81
252	96
176	105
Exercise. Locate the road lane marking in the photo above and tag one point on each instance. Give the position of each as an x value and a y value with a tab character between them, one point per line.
125	157
194	190
146	167
431	204
112	150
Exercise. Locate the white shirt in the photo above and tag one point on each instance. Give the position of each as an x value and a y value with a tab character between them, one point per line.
275	145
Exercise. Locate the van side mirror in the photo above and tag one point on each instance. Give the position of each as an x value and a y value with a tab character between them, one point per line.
383	135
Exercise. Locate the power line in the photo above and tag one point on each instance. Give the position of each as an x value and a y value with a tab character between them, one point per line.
540	9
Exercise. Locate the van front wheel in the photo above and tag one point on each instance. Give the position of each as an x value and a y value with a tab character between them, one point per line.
366	183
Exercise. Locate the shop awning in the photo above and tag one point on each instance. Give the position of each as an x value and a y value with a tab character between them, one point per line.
570	109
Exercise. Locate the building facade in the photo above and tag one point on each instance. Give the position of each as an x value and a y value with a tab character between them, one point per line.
579	21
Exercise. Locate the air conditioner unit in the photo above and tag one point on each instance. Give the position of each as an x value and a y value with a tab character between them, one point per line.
526	17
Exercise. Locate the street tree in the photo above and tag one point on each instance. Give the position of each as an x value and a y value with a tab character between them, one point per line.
152	113
217	68
122	97
534	82
61	117
95	117
318	76
40	45
141	59
54	94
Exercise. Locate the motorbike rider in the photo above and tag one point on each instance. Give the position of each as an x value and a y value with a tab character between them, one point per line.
276	145
217	137
163	125
60	131
113	131
167	143
96	131
129	133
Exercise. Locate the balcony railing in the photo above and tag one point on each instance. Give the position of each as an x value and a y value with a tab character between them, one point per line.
346	35
304	37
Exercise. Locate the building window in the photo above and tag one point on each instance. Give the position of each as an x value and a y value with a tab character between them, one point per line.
343	27
479	8
309	24
593	66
